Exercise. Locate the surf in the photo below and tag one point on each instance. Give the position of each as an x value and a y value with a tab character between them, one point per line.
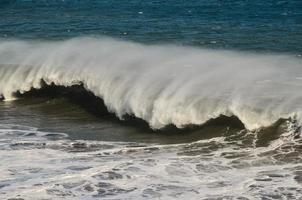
160	84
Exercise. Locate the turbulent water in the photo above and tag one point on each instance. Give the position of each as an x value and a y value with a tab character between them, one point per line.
226	166
149	100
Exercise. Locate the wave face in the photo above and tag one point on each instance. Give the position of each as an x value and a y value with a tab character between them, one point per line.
160	84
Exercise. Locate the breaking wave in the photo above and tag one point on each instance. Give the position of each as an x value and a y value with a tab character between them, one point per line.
162	84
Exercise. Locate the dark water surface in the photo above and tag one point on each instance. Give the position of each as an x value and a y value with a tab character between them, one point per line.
272	25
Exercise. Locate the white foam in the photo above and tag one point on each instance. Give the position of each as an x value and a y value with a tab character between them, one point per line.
160	84
211	168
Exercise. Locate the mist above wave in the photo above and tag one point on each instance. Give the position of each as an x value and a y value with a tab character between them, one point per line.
161	84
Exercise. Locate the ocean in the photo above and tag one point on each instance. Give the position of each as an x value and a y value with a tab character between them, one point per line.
150	99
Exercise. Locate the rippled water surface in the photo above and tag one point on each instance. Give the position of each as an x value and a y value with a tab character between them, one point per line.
273	25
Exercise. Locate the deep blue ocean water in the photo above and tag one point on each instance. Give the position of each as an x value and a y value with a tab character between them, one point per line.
273	25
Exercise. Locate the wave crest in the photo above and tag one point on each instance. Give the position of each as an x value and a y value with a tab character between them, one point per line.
160	84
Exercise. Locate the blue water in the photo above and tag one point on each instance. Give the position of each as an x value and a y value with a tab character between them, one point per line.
270	26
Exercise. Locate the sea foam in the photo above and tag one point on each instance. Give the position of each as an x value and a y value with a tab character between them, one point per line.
161	84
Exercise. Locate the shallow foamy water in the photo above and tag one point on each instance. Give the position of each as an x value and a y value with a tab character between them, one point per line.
43	165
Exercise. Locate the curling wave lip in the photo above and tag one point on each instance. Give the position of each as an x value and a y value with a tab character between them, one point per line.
160	84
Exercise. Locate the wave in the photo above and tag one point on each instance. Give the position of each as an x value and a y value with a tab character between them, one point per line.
161	84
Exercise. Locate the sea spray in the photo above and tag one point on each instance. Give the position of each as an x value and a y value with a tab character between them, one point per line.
161	84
